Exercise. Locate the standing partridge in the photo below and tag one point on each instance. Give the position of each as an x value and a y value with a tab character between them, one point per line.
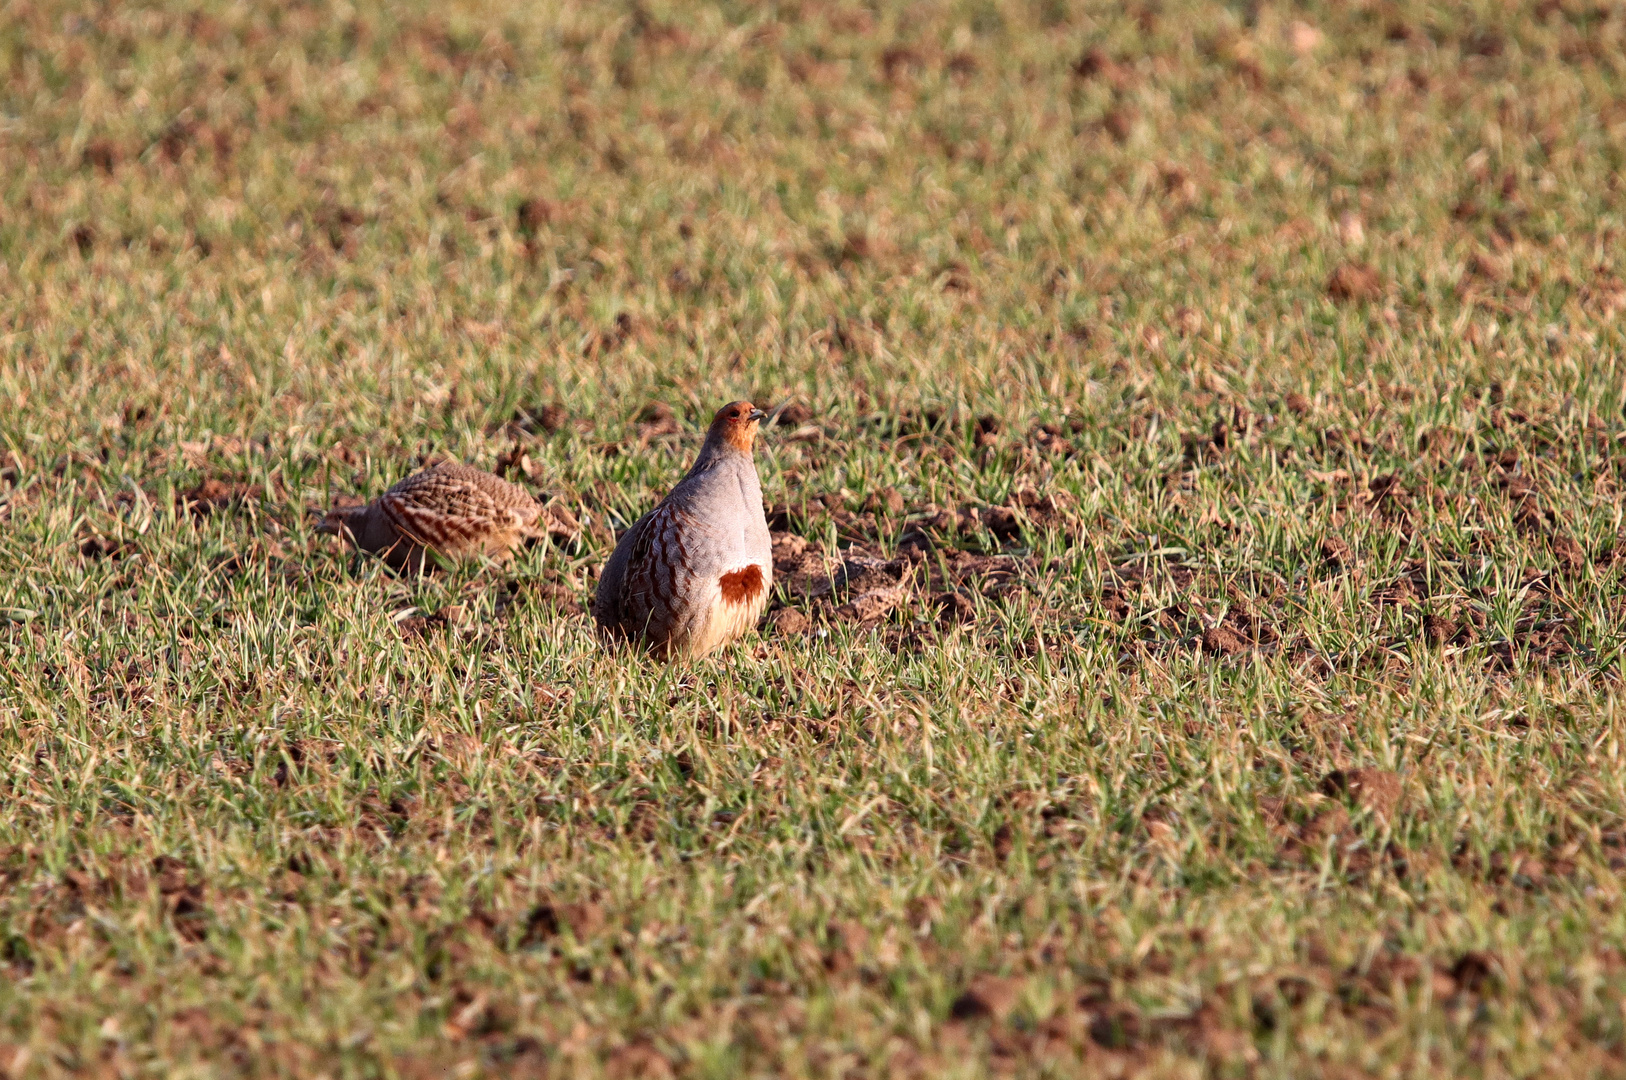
694	572
453	510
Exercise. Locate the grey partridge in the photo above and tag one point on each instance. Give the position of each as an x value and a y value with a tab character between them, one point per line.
454	510
694	573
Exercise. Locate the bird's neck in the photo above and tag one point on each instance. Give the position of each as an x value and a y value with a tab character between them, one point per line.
718	451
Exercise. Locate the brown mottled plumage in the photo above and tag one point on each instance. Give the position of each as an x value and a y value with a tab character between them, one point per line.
454	510
694	572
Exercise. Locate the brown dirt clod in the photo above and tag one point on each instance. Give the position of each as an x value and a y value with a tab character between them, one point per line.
1096	64
1330	821
532	214
100	547
1378	791
788	622
870	606
1354	283
793	414
788	550
1334	551
885	501
211	495
640	1061
1569	554
954	608
1222	640
656	419
547	419
991	996
914	546
419	626
1438	630
1475	972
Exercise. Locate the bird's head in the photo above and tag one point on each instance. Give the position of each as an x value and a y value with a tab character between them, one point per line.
341	520
736	424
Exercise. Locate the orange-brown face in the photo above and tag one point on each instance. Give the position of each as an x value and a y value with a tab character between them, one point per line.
738	421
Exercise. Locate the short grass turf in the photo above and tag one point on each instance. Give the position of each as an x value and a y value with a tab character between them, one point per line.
1200	512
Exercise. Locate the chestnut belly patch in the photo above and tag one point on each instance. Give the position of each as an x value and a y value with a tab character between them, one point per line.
742	586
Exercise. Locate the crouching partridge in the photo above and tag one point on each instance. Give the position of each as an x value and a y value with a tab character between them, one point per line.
454	510
694	572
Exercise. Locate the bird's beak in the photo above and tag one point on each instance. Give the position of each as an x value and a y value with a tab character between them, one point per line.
757	416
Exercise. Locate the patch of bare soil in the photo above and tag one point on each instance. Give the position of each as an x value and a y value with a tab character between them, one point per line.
882	511
1355	283
864	585
214	495
101	547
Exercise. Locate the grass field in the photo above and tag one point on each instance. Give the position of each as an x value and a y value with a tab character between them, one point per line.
1199	646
